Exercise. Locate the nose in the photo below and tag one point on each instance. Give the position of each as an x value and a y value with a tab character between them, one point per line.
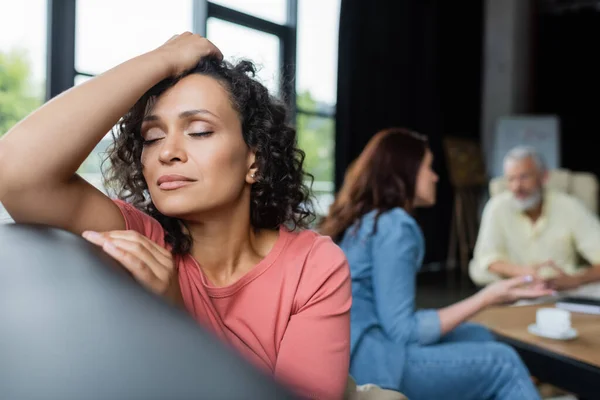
172	149
515	186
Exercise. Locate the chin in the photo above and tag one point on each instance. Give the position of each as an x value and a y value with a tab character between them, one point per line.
175	206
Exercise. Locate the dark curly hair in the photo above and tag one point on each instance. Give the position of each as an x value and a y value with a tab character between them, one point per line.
279	196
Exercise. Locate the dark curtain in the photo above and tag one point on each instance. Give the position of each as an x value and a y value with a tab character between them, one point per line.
414	64
567	82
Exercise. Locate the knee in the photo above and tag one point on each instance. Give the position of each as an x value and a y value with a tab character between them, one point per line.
503	353
480	332
474	332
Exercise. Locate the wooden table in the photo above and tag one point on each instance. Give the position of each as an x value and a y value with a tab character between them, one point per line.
571	365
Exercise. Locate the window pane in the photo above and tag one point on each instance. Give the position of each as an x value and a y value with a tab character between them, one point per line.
79	79
109	32
316	138
271	10
238	42
317	51
91	169
22	59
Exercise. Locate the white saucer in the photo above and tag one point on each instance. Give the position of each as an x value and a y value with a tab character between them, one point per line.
568	335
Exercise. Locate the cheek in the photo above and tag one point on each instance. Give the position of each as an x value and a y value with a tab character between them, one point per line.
144	157
147	165
221	163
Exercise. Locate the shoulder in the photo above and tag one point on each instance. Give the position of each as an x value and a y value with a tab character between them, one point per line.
396	224
387	227
562	204
562	200
396	218
312	246
499	202
324	267
139	221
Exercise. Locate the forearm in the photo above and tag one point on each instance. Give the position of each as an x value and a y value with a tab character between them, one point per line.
51	143
590	275
454	315
509	270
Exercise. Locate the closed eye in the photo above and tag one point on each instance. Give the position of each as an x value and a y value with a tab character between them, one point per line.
200	134
149	142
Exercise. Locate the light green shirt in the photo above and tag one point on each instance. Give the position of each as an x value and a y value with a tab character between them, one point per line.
565	230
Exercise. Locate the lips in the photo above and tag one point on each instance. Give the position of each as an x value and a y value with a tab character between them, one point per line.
172	182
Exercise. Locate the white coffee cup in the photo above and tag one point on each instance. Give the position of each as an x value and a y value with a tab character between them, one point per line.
553	321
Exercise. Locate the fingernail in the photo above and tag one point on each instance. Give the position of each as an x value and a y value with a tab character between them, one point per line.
528	278
91	235
554	293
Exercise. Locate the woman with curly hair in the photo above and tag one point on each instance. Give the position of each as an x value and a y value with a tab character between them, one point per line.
210	209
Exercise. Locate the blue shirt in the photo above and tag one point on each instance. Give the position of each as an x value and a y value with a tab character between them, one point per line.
384	266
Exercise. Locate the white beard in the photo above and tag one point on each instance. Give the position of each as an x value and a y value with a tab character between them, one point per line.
528	203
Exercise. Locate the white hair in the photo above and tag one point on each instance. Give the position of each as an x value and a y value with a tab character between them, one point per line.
520	153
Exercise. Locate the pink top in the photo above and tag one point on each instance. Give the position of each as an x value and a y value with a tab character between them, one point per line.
290	314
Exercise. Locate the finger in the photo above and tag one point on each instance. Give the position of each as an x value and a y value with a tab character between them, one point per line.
210	49
94	237
160	269
215	50
140	271
100	238
540	286
135	236
519	280
530	293
555	267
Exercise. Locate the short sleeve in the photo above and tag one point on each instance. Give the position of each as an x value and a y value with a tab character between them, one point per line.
586	228
136	220
314	355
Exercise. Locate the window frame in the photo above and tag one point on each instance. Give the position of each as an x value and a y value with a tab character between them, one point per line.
61	71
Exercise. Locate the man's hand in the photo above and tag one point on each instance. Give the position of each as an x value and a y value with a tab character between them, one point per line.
546	270
556	278
564	282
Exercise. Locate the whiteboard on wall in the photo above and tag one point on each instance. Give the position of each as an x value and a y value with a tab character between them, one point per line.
541	132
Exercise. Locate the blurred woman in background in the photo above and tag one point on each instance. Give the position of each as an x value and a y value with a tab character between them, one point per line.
426	354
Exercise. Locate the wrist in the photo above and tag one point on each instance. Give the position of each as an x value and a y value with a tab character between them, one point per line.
159	61
483	299
582	278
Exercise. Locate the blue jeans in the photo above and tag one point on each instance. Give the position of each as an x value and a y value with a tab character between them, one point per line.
466	364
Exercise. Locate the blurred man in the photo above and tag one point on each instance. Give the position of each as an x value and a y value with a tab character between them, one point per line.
531	230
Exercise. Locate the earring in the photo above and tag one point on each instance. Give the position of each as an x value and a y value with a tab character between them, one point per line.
252	176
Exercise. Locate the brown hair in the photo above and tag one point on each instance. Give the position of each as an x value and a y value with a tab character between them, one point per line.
383	177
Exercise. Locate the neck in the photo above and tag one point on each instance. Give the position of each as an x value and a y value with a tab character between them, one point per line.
535	212
225	244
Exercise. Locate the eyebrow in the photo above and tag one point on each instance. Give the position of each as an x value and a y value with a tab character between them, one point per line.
182	115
